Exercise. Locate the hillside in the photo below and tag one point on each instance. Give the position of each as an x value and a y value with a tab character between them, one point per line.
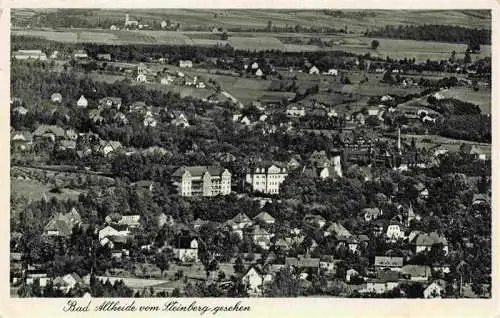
357	21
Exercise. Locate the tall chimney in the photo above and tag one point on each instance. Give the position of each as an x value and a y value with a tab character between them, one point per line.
399	140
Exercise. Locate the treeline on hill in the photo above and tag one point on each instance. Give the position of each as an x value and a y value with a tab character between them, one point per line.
433	32
140	52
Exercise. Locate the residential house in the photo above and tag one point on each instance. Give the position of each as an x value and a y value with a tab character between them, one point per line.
425	241
264	218
314	70
149	120
20	110
395	230
332	113
185	249
131	221
147	185
267	177
30	55
111	102
259	73
185	63
113	230
293	164
80	54
332	72
295	110
82	102
21	140
106	148
481	199
104	56
418	273
471	152
386	282
254	280
337	230
179	119
168	80
202	181
240	221
199	223
303	262
63	224
120	118
141	78
388	263
350	274
96	117
422	190
282	244
67	282
56	98
138	107
436	289
259	236
315	220
371	214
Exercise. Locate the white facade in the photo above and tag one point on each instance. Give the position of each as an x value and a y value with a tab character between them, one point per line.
82	102
254	281
434	290
186	63
394	231
205	185
267	180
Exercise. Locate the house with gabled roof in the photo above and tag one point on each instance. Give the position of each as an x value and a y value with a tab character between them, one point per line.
418	273
82	102
337	230
185	248
63	224
436	289
392	263
315	219
371	214
265	218
425	241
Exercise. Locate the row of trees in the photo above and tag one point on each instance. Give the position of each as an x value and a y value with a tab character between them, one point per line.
435	32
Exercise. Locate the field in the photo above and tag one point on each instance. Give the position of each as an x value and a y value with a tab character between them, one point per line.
482	98
420	50
256	43
356	20
36	190
453	145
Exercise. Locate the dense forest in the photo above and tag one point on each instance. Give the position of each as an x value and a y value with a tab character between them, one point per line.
433	32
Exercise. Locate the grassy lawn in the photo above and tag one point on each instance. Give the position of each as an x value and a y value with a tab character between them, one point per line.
482	98
36	190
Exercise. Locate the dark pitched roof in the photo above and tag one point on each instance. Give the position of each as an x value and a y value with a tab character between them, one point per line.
429	239
183	242
387	261
199	171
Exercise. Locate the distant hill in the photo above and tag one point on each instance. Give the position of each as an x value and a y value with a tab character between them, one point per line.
356	21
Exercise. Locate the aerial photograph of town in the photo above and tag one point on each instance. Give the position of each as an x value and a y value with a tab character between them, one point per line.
250	153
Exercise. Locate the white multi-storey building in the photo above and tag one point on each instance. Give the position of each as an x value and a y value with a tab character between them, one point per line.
202	181
267	178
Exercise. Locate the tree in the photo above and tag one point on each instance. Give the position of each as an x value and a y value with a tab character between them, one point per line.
375	44
269	25
162	261
239	268
467	58
284	285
